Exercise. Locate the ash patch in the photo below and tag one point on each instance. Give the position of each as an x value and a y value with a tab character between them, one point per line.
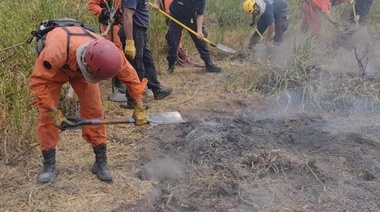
253	163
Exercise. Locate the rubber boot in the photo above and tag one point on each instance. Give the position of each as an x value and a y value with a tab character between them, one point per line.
210	67
253	41
172	64
118	83
100	167
162	92
49	171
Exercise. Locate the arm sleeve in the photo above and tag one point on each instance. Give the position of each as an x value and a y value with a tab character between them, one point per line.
269	14
47	67
325	7
202	7
130	4
94	7
54	55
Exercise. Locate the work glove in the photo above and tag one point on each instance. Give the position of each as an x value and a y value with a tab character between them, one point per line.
59	118
105	14
352	1
140	115
130	49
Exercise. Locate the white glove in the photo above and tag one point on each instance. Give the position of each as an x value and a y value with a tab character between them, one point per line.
352	1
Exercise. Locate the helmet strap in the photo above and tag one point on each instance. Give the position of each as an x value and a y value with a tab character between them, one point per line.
256	10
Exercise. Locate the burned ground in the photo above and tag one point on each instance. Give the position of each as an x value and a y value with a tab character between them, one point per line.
251	163
313	147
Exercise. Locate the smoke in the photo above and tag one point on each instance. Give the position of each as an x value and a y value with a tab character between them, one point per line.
163	169
359	47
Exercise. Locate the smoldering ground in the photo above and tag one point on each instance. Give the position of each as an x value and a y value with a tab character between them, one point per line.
314	147
258	162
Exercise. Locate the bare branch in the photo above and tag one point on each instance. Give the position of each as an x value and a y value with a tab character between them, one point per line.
362	67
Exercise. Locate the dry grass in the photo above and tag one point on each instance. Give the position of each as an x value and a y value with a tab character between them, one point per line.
76	188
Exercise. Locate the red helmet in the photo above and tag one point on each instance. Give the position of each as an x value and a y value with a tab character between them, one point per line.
102	58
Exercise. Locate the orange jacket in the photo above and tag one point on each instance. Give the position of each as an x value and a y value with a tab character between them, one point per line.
96	6
54	56
96	9
322	5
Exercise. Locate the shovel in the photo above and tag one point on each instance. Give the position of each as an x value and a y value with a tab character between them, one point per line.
258	32
219	46
153	119
356	16
117	97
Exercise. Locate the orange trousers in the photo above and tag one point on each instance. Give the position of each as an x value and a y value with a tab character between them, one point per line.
115	39
310	19
90	108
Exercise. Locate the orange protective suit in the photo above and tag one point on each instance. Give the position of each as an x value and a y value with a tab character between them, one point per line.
48	78
95	8
310	17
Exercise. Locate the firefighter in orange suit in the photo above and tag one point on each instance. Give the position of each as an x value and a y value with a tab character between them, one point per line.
83	61
310	17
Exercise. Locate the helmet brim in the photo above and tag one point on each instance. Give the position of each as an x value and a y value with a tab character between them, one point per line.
82	64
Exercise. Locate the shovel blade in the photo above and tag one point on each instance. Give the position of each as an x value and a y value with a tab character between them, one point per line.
225	48
165	118
117	97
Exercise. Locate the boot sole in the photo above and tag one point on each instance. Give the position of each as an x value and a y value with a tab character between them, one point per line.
46	179
102	178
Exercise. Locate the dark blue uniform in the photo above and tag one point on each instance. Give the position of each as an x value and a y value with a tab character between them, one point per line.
185	9
143	62
362	8
186	12
276	12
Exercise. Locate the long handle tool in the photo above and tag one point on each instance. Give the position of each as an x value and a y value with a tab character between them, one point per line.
153	119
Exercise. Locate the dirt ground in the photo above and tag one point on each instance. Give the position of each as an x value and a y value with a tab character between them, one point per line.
237	152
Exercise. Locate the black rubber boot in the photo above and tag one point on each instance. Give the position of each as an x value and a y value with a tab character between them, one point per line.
162	92
118	83
210	67
172	64
49	171
100	167
122	89
130	106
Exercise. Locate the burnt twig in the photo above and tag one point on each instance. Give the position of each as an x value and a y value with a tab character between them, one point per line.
13	46
5	152
8	56
362	67
22	153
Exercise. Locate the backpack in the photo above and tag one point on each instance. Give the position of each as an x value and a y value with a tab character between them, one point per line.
46	26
